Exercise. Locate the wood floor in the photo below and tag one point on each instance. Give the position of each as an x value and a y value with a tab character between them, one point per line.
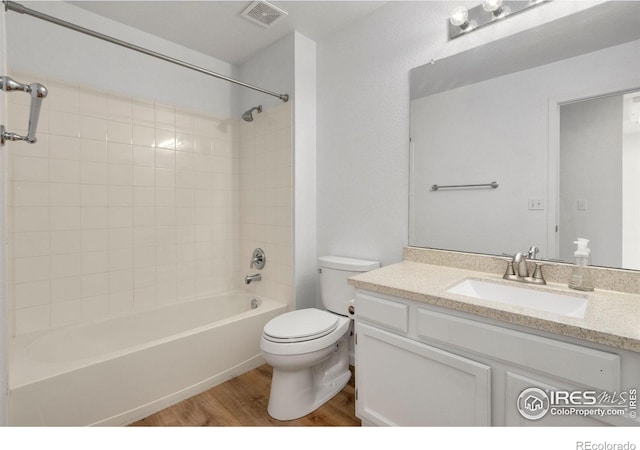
242	401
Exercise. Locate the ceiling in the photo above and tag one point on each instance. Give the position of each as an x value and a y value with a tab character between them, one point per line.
216	28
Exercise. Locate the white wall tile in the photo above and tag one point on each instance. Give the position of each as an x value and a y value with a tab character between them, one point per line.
32	268
65	241
94	217
117	208
120	174
65	218
118	153
64	171
94	151
165	139
93	172
165	158
94	195
95	284
64	124
64	147
30	218
95	262
65	289
32	293
35	243
143	113
93	103
121	132
26	193
95	240
29	320
66	313
64	194
24	168
143	156
119	109
93	128
66	265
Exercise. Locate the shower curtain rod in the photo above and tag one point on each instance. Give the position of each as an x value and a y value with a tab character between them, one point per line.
16	7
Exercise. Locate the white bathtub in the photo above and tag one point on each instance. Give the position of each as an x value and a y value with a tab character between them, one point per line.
120	370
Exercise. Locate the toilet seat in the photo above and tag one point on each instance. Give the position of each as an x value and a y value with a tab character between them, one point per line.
324	333
299	326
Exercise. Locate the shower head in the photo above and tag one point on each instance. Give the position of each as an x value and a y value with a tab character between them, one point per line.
248	116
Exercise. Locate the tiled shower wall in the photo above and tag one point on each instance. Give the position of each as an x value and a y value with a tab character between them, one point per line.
125	204
266	200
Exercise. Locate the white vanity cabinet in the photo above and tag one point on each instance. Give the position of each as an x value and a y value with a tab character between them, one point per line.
407	383
421	365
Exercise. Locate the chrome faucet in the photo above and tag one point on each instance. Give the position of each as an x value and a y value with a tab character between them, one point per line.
517	270
249	278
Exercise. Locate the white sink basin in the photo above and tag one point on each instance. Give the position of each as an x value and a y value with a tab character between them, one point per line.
565	305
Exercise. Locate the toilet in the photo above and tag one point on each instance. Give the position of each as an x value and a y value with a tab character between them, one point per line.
309	348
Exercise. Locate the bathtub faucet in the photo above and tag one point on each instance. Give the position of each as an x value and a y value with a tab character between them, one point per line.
249	278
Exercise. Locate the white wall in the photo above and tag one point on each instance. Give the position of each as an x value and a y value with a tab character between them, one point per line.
305	252
35	46
363	118
271	69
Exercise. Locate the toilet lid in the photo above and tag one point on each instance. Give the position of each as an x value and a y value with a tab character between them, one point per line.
300	325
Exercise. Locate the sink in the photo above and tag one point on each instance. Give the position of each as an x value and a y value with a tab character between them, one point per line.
565	305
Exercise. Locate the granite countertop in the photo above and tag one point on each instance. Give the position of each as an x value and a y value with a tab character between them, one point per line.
612	318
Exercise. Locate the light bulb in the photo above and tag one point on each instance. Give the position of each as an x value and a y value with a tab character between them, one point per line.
460	17
493	6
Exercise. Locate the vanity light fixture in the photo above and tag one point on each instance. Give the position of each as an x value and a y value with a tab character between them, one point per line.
464	20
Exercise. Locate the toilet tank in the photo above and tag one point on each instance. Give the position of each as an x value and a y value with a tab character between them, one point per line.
334	271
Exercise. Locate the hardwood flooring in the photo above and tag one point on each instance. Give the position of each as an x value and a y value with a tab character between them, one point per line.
242	401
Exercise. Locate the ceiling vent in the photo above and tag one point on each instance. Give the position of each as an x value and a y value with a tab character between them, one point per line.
263	13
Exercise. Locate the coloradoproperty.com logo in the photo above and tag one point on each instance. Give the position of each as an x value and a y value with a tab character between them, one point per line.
534	403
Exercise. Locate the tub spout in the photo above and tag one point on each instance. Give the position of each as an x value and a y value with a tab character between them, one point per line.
249	278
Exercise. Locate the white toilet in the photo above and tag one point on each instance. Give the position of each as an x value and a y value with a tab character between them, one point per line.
309	348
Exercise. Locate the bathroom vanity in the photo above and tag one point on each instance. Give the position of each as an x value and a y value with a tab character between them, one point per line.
426	356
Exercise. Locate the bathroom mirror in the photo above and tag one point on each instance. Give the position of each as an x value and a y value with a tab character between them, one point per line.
507	124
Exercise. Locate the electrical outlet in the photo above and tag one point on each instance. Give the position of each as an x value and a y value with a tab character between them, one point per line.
536	204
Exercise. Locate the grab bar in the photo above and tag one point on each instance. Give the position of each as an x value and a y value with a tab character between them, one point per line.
37	92
492	185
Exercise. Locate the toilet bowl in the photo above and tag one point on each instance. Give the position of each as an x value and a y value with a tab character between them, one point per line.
309	348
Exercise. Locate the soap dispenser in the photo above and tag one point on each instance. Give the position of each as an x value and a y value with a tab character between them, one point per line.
581	279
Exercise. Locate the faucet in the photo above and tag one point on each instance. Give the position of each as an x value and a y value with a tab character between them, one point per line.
249	278
517	270
532	252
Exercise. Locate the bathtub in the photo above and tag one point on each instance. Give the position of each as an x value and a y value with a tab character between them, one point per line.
117	371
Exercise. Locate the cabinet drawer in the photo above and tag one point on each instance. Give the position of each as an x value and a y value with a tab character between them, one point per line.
393	315
571	362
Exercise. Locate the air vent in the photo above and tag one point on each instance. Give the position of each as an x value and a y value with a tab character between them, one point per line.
263	13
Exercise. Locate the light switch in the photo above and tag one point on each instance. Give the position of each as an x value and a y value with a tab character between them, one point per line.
536	204
583	205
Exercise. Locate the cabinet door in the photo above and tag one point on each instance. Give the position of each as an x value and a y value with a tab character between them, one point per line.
516	383
406	383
